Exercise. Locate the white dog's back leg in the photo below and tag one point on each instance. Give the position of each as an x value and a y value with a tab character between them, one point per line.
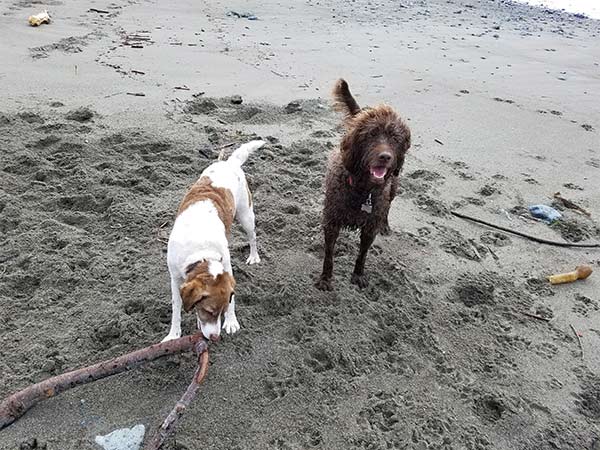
245	215
175	331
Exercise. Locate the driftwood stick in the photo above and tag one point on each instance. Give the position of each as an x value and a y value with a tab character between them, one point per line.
169	424
17	404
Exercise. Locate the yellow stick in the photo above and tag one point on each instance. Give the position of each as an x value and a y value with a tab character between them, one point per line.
580	273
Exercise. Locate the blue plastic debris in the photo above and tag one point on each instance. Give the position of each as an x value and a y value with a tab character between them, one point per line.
544	212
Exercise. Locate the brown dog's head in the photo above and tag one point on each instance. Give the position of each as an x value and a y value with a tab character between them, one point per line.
208	289
375	144
376	139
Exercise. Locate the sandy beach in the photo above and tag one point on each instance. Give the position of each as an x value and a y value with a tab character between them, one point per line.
112	110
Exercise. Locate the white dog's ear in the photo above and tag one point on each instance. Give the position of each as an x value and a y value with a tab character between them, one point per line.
192	292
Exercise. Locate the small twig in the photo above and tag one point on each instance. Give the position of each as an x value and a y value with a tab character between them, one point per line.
493	253
438	141
535	316
138	72
578	339
569	204
136	94
203	153
222	148
475	249
99	11
231	144
13	407
170	422
278	74
527	236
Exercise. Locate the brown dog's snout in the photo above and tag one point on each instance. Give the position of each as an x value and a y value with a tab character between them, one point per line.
385	157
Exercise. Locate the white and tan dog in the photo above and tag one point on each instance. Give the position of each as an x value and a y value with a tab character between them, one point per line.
198	253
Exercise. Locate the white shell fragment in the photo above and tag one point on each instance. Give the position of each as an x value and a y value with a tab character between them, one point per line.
123	439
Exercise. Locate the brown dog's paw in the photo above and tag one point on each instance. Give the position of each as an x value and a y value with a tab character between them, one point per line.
385	230
360	280
324	284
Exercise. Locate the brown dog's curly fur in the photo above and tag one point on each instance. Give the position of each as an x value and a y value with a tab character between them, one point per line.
367	165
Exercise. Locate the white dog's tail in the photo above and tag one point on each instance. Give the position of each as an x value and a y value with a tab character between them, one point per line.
244	151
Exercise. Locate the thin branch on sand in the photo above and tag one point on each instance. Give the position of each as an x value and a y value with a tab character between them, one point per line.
13	407
170	422
578	340
535	316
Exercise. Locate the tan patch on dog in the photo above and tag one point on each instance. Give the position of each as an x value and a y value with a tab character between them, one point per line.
211	293
220	197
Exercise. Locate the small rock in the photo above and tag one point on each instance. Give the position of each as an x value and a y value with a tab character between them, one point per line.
32	444
236	99
488	190
80	114
293	107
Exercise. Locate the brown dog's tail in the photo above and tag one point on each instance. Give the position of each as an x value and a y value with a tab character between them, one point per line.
343	100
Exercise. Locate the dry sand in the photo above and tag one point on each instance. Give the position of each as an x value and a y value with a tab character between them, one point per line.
435	354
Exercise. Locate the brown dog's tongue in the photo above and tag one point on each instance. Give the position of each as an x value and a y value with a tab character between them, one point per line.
378	172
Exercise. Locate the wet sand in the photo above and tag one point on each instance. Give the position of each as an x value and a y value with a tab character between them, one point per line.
503	102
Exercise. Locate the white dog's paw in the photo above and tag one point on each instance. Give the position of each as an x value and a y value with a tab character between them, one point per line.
171	336
253	259
231	325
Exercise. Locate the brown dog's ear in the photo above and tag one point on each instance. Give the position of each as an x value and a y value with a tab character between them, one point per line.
352	151
191	293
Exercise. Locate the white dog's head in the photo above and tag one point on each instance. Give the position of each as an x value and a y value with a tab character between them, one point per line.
208	289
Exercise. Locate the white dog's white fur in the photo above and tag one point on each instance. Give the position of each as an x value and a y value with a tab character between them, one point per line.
199	235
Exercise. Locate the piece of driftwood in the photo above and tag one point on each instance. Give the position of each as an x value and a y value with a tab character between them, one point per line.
170	422
13	407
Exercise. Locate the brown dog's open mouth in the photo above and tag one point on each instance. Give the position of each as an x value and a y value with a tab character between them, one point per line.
379	172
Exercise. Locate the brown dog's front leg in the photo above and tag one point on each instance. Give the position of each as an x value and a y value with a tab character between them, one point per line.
331	235
367	236
385	227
